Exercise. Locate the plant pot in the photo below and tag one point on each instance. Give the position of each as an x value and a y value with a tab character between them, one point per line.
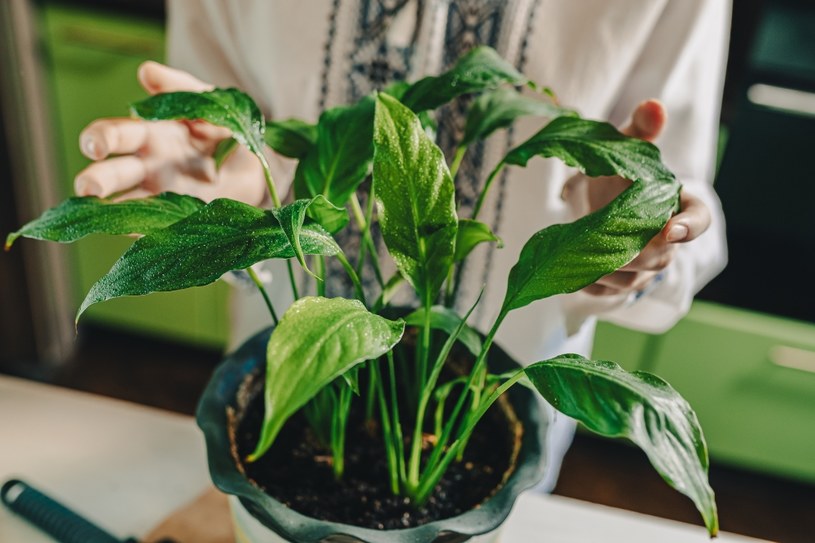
259	518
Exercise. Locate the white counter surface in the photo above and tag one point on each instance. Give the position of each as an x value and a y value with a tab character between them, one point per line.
125	467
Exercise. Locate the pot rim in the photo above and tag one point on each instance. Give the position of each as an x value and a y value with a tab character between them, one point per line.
213	416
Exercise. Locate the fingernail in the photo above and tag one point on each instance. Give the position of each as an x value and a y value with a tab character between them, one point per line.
678	232
85	186
90	148
146	76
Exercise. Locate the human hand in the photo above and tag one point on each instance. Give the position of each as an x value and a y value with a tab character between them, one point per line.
135	158
693	218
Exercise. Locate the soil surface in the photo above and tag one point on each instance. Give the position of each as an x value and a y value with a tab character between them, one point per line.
297	471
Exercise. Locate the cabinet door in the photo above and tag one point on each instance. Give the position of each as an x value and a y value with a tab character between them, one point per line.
93	57
749	376
751	379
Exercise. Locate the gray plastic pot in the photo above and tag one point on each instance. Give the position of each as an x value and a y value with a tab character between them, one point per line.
227	395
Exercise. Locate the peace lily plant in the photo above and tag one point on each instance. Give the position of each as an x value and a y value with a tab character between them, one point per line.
321	348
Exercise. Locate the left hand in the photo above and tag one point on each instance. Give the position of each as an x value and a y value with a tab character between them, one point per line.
647	122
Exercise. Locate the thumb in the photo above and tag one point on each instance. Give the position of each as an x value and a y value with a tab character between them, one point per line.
157	78
648	121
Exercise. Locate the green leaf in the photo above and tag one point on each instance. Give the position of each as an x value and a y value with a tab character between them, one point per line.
390	290
596	148
292	216
291	137
499	108
639	406
415	197
229	108
567	257
397	89
327	215
78	217
351	378
316	341
444	318
222	151
307	178
342	157
470	234
479	70
224	235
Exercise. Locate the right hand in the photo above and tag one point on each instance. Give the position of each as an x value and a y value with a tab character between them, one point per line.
135	158
586	195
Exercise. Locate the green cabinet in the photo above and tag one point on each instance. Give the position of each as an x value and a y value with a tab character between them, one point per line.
92	59
749	376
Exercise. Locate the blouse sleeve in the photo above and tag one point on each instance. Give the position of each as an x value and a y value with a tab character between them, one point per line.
201	39
683	65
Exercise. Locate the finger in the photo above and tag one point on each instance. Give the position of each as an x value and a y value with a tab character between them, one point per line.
200	168
110	176
157	78
626	280
656	256
134	194
104	137
205	137
691	221
648	121
601	290
603	190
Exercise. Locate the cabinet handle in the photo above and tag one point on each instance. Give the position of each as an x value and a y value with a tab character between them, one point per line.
793	358
790	100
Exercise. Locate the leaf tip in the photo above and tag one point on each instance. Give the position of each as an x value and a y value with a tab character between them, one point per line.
713	525
10	241
311	273
86	303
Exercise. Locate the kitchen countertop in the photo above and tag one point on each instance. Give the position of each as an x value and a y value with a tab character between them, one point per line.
125	467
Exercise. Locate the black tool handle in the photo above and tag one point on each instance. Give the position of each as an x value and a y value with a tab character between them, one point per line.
51	516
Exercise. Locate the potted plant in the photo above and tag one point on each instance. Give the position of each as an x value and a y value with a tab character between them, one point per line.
395	409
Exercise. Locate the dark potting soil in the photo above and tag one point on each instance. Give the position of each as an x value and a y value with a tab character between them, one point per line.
297	471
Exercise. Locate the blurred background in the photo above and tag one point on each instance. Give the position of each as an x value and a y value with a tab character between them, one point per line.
744	357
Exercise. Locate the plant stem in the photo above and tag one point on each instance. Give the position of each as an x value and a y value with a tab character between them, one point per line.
390	450
292	281
454	283
365	227
338	429
426	393
468	387
450	287
256	280
397	424
267	175
371	393
430	481
423	352
320	259
388	292
481	197
454	277
352	274
369	210
461	150
362	222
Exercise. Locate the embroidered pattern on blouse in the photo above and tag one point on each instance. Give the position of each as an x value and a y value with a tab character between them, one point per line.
373	61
